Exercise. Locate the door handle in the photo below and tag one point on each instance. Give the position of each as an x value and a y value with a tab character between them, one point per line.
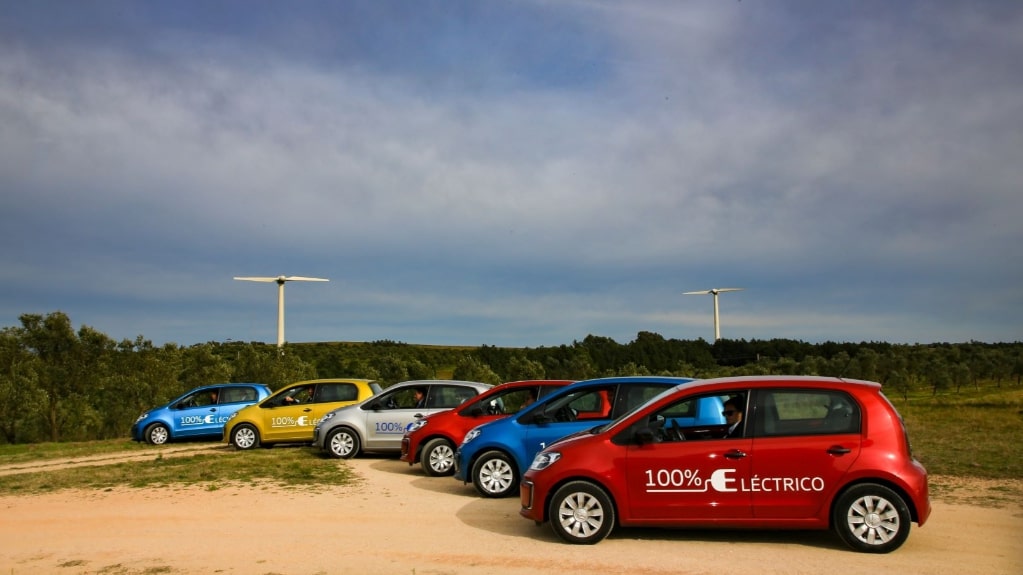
838	450
735	454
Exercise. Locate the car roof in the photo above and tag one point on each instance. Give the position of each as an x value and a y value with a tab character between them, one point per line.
781	381
623	380
333	380
632	379
417	382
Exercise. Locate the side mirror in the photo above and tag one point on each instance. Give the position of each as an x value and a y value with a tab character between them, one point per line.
644	435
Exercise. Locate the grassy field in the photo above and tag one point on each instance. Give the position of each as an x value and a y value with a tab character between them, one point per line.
296	467
975	434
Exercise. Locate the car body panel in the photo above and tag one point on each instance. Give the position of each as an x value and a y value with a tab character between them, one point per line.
381	421
807	440
292	412
576	407
194	415
499	401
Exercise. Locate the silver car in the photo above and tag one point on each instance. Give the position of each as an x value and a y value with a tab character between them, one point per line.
379	423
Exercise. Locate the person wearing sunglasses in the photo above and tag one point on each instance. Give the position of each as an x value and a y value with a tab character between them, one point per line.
733	417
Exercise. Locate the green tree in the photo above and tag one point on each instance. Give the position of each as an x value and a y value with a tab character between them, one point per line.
262	363
21	400
470	368
52	340
201	366
521	368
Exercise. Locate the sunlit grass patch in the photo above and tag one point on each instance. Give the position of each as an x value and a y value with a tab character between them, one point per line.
294	467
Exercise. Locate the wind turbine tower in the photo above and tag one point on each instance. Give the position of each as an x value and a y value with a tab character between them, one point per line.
714	292
280	281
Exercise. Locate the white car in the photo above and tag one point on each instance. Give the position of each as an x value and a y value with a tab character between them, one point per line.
379	423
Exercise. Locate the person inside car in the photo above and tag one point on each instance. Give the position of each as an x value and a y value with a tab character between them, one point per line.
733	417
300	395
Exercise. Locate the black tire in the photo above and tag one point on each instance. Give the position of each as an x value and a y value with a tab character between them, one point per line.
245	437
495	475
438	458
871	518
157	434
342	443
581	513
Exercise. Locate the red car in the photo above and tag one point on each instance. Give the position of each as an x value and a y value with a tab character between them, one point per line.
794	453
432	440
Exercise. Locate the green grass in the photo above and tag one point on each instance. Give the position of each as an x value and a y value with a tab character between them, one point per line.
295	467
26	452
975	433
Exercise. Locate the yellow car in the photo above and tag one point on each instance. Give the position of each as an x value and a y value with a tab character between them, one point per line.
291	413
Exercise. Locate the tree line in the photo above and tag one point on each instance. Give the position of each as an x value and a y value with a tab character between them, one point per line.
62	384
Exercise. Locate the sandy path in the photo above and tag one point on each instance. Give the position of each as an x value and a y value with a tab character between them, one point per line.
396	520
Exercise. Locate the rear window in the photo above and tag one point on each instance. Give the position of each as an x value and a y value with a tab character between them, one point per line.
448	396
807	412
331	392
237	394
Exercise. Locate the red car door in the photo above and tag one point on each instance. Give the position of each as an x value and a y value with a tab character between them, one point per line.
685	474
689	480
808	440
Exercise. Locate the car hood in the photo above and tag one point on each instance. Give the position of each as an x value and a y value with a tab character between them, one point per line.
574	437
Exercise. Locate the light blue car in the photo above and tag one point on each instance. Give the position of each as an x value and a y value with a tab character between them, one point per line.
493	456
200	413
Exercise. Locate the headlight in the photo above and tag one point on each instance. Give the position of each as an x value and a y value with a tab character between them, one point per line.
416	425
544	459
473	434
141	417
232	416
329	415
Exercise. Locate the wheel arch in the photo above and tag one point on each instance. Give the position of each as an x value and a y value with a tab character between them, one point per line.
166	425
914	513
490	449
418	455
586	478
350	429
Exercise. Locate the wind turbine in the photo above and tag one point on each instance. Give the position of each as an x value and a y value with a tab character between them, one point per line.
715	292
280	280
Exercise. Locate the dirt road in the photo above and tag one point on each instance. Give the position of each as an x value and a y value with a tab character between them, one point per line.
398	521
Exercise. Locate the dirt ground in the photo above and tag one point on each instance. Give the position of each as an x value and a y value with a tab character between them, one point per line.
398	521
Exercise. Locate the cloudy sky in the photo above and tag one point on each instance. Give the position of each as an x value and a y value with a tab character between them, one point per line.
514	172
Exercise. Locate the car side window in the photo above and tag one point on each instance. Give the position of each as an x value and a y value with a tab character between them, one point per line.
691	418
331	392
632	396
510	401
237	394
806	412
401	399
590	403
448	396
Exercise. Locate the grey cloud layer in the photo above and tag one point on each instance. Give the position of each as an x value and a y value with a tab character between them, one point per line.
856	192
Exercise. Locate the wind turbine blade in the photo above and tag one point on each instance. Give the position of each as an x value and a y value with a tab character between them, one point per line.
730	289
704	292
304	279
257	279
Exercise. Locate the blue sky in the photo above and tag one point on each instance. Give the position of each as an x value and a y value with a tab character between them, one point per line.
514	173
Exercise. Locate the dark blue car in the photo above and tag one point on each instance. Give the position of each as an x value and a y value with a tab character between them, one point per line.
200	413
493	456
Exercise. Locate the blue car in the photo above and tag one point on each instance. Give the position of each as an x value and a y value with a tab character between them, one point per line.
493	456
200	413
